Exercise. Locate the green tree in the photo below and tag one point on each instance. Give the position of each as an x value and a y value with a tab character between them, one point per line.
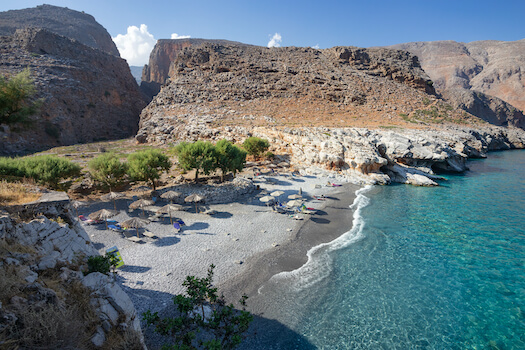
108	169
17	101
49	170
147	165
256	146
199	155
202	312
229	157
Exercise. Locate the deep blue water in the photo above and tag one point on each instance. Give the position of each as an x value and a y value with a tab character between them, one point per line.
423	268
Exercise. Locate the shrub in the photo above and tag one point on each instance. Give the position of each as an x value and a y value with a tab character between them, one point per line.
147	165
255	146
99	263
203	311
49	170
229	157
16	98
108	169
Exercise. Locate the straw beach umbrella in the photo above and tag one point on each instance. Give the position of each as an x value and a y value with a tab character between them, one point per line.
171	195
295	196
76	205
277	193
141	203
112	196
194	198
170	208
294	203
103	214
267	199
135	223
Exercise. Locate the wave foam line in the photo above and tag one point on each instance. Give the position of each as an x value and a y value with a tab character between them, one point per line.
319	263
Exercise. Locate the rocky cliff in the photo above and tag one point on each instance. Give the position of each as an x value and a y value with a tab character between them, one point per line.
60	20
88	94
478	77
47	297
159	69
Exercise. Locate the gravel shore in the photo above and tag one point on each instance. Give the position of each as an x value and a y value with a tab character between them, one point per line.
237	239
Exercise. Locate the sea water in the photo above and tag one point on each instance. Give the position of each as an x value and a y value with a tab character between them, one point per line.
422	268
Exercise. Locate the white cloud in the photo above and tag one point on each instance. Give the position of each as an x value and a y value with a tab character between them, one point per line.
177	36
275	41
136	45
316	47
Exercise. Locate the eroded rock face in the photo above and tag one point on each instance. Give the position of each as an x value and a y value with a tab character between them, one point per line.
60	20
489	67
87	94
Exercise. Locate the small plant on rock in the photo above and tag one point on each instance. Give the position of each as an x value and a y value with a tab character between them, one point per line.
102	264
204	319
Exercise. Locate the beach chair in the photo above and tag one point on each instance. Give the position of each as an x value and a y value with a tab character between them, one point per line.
149	234
87	221
115	228
135	239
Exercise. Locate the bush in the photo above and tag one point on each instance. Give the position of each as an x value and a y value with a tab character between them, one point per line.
229	157
222	325
108	169
46	169
16	98
256	146
147	165
103	264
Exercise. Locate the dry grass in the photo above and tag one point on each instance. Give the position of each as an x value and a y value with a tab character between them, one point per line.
16	193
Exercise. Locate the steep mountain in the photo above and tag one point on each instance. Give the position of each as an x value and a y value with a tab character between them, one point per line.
158	71
60	20
480	77
88	94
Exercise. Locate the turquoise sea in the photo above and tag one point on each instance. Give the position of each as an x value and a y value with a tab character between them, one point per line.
422	268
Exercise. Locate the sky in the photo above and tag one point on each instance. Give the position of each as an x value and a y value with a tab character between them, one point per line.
136	25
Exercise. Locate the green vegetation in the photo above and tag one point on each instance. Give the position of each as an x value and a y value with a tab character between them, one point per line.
204	321
102	264
108	169
256	146
147	165
17	98
229	157
44	169
198	155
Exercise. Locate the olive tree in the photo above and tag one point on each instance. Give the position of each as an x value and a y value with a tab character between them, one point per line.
198	155
147	165
108	169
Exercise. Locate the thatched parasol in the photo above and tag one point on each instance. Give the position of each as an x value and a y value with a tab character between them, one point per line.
170	208
267	199
295	196
171	195
141	203
76	205
277	193
135	223
111	196
294	203
194	198
103	214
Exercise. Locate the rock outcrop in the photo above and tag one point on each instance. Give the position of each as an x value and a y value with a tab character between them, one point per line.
42	279
481	77
87	94
159	69
62	21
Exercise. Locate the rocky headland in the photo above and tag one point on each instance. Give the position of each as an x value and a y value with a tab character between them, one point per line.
88	93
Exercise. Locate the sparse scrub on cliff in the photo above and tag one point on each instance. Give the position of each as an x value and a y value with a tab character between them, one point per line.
17	101
147	165
256	146
108	169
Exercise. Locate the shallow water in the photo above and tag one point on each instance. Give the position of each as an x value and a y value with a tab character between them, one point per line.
424	268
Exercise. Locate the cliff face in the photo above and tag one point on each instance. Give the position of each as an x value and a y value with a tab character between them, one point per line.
491	68
63	21
158	71
87	94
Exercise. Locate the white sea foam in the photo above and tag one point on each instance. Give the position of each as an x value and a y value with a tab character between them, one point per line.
319	264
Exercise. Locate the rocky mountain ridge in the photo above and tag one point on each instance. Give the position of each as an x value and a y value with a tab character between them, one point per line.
62	21
481	77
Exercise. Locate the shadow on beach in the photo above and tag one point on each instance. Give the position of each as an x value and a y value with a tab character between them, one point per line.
134	268
166	241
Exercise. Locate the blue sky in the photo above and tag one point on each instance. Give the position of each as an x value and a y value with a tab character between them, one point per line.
307	23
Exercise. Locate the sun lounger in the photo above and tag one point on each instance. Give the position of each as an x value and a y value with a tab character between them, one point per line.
115	228
149	234
134	239
296	217
87	221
